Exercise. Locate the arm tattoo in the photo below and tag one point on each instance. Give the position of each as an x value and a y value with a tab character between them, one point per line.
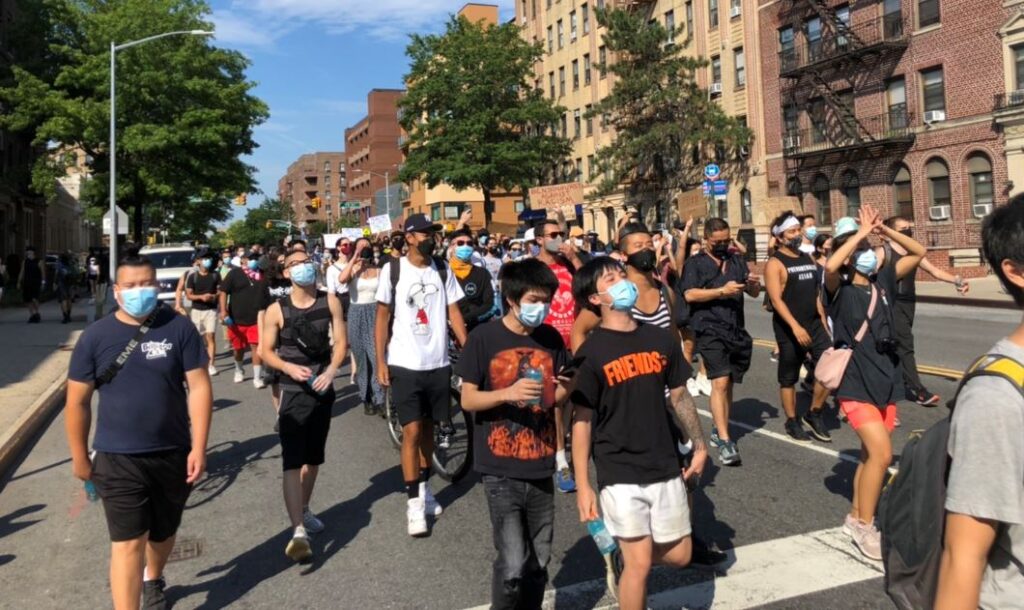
686	411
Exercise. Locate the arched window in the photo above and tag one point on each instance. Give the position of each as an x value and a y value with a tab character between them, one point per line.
820	192
746	207
979	168
938	185
903	193
851	191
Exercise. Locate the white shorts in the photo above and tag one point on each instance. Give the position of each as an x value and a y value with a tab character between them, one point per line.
658	510
205	320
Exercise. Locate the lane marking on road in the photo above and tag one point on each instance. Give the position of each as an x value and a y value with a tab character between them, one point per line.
927	369
753	575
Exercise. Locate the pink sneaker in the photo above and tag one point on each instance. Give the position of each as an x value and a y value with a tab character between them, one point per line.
849	525
868	540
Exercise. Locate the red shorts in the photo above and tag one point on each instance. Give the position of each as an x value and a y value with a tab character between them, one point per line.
861	413
242	336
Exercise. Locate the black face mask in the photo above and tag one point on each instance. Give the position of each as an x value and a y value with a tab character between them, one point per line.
397	243
426	247
795	243
909	232
366	254
720	250
643	260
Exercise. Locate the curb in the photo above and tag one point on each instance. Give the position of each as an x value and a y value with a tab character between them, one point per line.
28	425
969	302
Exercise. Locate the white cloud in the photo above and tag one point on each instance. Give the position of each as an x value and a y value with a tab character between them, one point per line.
233	29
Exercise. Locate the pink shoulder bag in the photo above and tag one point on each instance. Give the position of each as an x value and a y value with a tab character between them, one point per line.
832	364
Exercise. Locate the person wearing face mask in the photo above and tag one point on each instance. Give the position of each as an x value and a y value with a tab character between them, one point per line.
808	231
151	429
621	412
363	277
298	332
30	283
478	305
906	305
873	379
201	288
243	298
510	382
792	281
713	284
334	271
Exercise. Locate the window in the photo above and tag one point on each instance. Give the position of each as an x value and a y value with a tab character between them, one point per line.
734	7
896	98
523	4
586	69
746	207
551	82
575	74
551	40
573	32
812	30
549	4
938	182
670	25
716	69
820	192
893	18
928	13
787	50
791	119
453	210
577	124
561	81
578	173
565	126
934	89
327	167
816	113
843	20
600	3
602	60
903	193
589	120
689	18
740	63
851	192
713	13
435	212
722	205
980	170
1018	65
561	34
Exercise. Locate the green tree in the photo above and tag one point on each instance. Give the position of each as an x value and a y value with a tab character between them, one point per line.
185	109
666	126
254	229
473	117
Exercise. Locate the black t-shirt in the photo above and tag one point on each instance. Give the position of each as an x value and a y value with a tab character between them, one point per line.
247	296
479	299
513	441
203	284
870	377
145	407
623	379
720	317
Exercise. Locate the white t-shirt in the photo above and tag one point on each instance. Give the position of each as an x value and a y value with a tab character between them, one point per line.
419	336
807	249
333	285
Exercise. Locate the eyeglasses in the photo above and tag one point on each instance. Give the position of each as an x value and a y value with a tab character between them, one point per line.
554	235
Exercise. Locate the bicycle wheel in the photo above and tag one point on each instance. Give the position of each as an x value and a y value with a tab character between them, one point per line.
452	462
391	417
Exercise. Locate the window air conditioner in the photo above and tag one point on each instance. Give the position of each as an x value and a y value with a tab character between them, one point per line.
934	116
791	142
734	11
982	210
716	89
938	212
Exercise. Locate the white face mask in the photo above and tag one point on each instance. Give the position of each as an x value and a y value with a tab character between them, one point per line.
578	242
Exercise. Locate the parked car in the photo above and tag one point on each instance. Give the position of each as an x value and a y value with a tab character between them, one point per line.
171	261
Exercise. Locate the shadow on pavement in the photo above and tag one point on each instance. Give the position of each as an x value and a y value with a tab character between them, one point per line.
581	563
5	559
42	469
225	461
840	482
752	412
7	522
264	561
706	525
224	403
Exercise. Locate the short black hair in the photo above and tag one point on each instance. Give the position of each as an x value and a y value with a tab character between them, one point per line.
135	261
891	221
781	218
463	232
1002	238
520	277
584	281
630	228
803	218
820	239
292	243
713	225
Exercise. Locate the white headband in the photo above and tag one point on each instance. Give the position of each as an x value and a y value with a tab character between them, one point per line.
786	225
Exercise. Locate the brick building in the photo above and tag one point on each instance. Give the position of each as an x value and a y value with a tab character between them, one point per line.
888	103
319	174
372	153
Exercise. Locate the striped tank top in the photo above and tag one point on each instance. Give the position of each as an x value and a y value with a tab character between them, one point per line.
662	315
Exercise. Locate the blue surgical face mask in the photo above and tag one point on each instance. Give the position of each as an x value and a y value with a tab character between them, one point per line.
139	302
207	263
254	265
866	262
464	253
226	260
533	315
623	294
534	249
304	274
811	232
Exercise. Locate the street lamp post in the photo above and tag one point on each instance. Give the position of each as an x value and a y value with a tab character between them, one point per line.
114	48
387	186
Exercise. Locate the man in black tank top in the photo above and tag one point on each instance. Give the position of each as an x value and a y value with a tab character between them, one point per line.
792	280
297	335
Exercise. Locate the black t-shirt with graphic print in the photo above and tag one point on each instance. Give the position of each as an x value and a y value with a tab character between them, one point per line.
623	379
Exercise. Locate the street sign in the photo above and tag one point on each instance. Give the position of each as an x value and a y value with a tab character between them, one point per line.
711	171
122	222
708	185
721	187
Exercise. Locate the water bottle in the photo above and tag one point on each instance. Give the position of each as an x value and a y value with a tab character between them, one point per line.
228	321
602	537
537	375
311	381
90	491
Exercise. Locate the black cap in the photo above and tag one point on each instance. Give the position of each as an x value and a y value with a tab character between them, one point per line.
419	223
631	228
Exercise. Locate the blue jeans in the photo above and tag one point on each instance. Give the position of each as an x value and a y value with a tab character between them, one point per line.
523	516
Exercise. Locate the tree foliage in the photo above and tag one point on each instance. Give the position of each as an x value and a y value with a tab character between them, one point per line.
185	109
473	116
253	228
666	126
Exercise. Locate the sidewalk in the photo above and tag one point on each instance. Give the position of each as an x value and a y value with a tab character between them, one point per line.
985	292
33	366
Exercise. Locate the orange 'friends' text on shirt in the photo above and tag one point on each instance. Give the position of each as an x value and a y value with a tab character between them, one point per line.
632	366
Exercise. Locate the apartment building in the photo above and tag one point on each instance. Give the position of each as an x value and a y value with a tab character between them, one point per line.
895	103
372	153
319	175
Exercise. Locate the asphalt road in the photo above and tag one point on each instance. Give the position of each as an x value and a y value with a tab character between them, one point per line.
778	511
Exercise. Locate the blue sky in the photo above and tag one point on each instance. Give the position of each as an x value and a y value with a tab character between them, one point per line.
314	62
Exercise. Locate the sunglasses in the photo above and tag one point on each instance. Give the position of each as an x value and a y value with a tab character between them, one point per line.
555	235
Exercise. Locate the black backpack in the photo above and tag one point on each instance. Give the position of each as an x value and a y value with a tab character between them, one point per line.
314	344
912	509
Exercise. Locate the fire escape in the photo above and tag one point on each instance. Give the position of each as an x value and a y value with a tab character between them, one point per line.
827	58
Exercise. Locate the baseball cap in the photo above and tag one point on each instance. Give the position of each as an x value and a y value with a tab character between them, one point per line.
419	223
576	232
846	224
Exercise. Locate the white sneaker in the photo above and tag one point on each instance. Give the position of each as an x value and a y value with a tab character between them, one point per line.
311	522
704	384
868	540
212	369
416	517
431	506
239	376
258	383
691	386
298	548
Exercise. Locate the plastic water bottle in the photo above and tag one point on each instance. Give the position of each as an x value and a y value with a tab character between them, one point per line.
90	491
537	375
311	381
228	321
602	537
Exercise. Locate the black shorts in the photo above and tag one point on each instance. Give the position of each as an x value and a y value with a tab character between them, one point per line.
419	395
725	357
792	355
304	421
143	492
346	301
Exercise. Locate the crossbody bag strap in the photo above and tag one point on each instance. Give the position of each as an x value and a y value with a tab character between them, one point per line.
115	367
867	321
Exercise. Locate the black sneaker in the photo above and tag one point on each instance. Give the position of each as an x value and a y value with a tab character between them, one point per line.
796	431
704	555
153	594
368	409
815	420
926	398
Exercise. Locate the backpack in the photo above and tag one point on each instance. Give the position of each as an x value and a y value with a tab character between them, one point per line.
912	511
314	344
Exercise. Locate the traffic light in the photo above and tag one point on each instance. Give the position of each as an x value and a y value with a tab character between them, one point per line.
241	199
315	203
270	225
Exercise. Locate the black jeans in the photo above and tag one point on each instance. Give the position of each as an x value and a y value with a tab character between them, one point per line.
904	318
523	516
